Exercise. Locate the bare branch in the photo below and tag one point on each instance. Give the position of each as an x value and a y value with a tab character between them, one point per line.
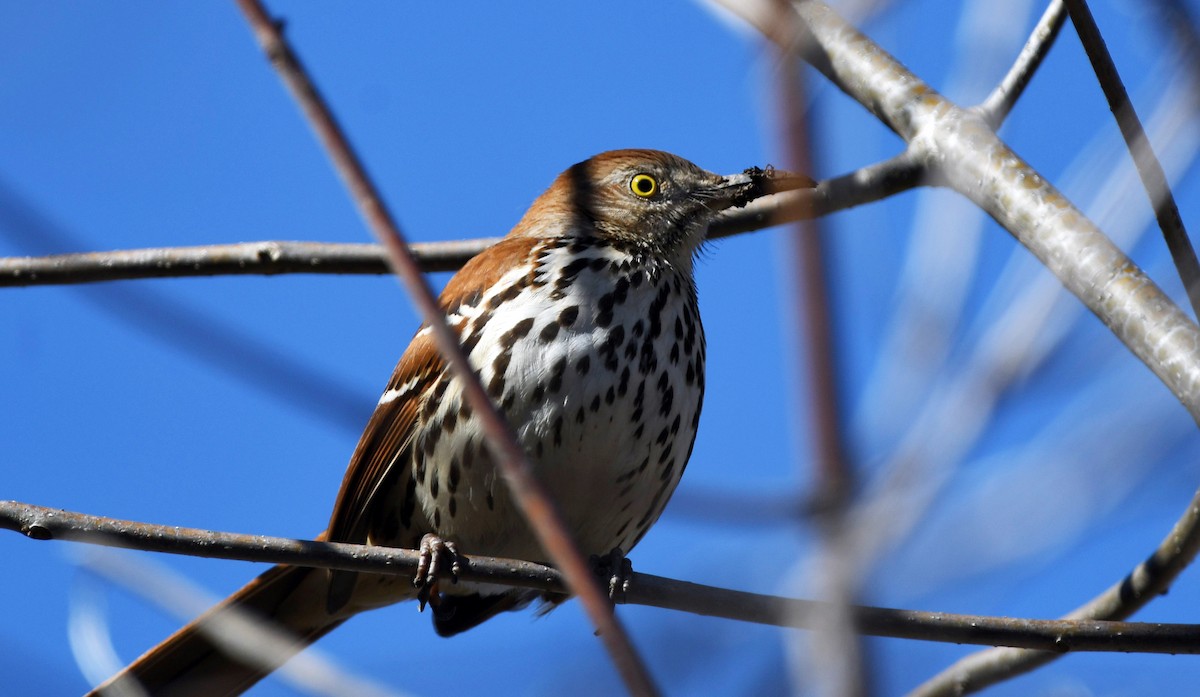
265	258
1000	102
41	523
1149	168
529	493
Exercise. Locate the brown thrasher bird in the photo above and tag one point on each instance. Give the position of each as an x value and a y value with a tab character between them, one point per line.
584	328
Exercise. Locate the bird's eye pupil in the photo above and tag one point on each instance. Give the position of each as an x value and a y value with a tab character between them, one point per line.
644	185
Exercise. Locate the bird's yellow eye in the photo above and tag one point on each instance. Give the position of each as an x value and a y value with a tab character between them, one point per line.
643	185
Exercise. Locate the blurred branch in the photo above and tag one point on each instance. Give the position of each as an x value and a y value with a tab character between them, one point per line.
962	147
868	184
1148	167
1000	102
530	495
247	635
1146	582
837	664
42	523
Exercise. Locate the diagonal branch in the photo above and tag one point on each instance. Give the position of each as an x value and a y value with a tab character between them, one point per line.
999	103
40	523
1148	167
531	496
1147	581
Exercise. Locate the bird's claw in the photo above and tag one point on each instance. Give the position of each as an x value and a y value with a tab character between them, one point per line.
615	569
434	552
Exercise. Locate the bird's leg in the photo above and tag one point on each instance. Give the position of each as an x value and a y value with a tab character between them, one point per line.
616	569
433	551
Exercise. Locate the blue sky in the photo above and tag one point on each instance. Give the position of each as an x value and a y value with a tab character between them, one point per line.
128	125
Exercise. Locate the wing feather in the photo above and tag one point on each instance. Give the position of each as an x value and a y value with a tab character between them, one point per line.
383	452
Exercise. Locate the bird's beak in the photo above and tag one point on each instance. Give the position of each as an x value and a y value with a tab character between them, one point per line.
736	190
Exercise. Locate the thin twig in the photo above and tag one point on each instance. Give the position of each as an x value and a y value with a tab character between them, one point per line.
531	496
41	523
1149	169
1000	102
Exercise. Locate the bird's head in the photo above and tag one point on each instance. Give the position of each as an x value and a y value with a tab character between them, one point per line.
647	200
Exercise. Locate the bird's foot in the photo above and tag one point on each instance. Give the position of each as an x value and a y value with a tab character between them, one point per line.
615	569
435	552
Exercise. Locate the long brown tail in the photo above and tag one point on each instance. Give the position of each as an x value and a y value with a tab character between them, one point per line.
218	654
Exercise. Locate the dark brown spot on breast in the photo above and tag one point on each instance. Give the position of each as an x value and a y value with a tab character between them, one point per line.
663	457
570	271
648	360
509	293
496	384
621	291
520	329
604	310
556	374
